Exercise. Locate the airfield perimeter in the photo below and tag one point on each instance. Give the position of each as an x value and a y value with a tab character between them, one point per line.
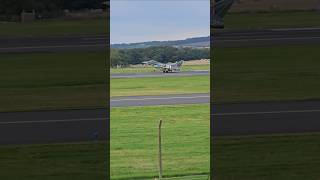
28	122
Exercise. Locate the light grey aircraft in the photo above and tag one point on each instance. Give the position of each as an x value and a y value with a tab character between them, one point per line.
165	67
220	9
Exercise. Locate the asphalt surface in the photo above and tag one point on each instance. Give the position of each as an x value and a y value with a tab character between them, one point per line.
220	38
159	100
54	126
269	37
53	44
160	74
265	118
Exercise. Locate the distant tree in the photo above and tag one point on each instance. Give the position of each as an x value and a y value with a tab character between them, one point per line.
48	8
10	9
162	54
118	58
83	4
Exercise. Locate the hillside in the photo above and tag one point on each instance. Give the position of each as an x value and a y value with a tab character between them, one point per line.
195	42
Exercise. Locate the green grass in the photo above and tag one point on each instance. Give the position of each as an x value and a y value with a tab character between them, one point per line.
282	157
134	141
151	69
55	28
289	19
266	73
80	161
159	85
52	81
276	157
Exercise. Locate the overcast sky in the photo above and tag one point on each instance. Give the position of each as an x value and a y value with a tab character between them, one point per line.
159	20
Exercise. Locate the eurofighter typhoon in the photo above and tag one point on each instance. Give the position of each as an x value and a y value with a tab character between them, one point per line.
165	67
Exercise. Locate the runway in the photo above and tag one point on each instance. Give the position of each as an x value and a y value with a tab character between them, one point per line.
265	118
224	38
268	37
54	126
160	74
53	44
159	100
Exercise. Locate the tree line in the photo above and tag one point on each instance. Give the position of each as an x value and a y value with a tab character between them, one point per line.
45	8
163	54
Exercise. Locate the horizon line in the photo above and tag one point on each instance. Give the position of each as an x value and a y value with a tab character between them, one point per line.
160	40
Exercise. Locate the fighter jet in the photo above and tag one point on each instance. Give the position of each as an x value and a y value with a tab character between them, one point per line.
220	9
165	67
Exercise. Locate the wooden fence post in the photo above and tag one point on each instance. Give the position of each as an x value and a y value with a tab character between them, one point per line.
160	151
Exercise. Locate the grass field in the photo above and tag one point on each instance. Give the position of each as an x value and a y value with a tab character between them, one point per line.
266	73
134	141
55	28
81	161
52	81
289	19
282	157
151	69
160	85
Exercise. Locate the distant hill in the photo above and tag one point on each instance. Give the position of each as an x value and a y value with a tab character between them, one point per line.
195	42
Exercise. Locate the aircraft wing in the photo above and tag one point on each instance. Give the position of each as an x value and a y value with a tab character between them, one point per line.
153	63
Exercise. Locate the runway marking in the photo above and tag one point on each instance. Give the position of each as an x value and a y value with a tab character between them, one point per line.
266	112
294	29
158	98
98	38
53	121
61	46
268	39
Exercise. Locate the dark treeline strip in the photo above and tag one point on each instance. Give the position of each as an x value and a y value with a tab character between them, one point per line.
162	54
10	9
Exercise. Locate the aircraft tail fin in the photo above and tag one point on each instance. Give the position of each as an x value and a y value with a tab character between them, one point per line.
220	9
179	63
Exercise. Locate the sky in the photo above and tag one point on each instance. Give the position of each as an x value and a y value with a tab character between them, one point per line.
158	20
